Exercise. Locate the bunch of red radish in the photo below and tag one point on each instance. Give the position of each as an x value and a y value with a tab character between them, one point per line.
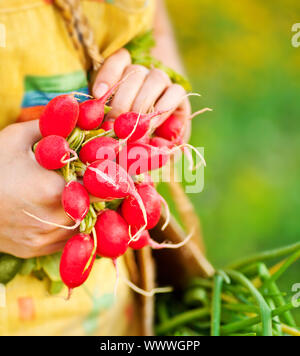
115	159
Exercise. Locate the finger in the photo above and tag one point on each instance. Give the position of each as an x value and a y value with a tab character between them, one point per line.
58	236
188	131
24	134
32	132
111	72
184	111
45	188
155	84
171	99
127	92
49	250
48	221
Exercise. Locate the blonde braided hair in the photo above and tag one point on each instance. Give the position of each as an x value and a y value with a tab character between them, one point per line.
81	33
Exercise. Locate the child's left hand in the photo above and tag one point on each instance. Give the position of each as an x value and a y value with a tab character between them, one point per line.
144	89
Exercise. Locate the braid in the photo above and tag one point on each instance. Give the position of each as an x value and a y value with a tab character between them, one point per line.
86	34
80	32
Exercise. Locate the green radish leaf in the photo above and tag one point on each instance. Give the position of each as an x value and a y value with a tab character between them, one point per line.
39	274
50	265
9	267
139	49
114	204
141	44
98	206
55	287
28	266
107	109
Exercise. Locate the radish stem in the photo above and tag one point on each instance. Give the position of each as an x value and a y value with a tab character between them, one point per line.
242	324
265	311
216	306
93	251
181	319
267	255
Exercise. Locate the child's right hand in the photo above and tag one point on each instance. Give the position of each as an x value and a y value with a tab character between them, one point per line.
24	185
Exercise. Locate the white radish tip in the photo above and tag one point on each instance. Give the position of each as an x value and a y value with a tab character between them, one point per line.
199	112
117	277
202	160
157	246
168	217
75	226
70	290
143	292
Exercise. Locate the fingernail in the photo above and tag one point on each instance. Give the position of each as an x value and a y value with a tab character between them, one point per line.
100	90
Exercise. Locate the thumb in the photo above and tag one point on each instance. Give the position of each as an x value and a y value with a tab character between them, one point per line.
30	132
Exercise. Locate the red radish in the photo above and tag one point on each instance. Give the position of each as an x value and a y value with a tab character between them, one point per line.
112	234
144	139
171	128
144	178
141	240
106	180
152	203
132	126
144	239
161	142
138	158
75	201
53	152
174	126
99	148
75	256
107	125
91	112
60	116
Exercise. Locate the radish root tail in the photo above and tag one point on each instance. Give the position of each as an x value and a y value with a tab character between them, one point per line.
75	226
115	263
136	236
143	292
74	158
93	251
192	148
157	246
199	112
68	297
168	214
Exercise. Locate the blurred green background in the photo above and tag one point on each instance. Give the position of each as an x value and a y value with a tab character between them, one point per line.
238	55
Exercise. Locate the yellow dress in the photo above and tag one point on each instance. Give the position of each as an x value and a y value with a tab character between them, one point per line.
37	62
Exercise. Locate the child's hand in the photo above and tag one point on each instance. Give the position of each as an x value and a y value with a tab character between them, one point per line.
142	90
26	185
